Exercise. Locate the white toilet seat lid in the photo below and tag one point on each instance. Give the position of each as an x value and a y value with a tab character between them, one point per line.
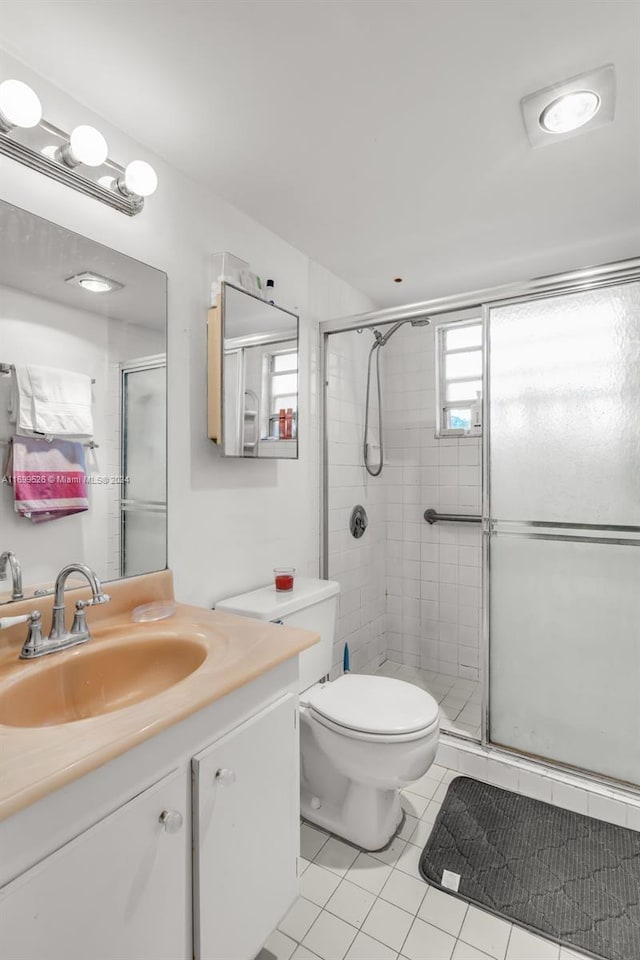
374	705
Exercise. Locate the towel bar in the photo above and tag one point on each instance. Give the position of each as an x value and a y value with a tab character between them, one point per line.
7	368
91	444
431	516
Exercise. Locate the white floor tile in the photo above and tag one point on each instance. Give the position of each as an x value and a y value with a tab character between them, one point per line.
566	954
299	919
432	811
336	856
279	945
366	948
369	873
425	942
391	853
388	923
312	840
443	911
351	903
422	832
426	786
303	954
464	951
413	805
408	827
409	859
330	937
486	932
526	946
317	884
404	891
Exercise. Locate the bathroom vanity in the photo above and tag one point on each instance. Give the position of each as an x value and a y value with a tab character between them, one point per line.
164	829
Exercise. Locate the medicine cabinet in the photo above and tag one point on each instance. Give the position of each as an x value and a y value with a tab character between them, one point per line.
252	376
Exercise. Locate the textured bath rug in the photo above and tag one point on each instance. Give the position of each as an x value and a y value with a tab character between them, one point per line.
566	876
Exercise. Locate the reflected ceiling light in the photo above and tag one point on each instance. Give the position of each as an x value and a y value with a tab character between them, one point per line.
79	160
571	107
19	106
94	282
86	145
140	179
570	111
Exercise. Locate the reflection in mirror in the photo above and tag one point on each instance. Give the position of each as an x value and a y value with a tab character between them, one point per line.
259	373
82	406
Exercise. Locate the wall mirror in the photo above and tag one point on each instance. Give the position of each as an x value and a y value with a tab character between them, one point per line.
253	376
82	406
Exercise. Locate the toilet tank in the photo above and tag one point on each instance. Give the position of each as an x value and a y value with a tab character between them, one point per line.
311	605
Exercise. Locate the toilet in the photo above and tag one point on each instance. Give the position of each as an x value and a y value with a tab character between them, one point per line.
362	738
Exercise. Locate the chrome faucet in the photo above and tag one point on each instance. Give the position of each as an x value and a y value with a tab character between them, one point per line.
9	559
60	638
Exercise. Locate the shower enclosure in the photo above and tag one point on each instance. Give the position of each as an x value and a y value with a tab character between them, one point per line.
526	626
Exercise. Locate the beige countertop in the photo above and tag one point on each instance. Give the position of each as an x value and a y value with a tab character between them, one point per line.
36	760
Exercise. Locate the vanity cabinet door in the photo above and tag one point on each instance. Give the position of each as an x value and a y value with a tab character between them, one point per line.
246	830
119	890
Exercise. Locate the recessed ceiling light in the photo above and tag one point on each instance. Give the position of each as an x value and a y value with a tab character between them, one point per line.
570	111
94	282
571	107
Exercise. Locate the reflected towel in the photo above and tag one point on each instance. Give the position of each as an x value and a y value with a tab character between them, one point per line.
49	479
49	401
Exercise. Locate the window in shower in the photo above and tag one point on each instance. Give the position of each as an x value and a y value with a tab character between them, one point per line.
459	382
284	383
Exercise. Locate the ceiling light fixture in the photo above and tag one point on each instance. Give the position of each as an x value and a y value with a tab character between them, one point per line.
94	282
19	106
571	107
80	159
570	111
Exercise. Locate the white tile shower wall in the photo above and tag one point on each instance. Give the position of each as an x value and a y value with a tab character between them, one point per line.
433	578
358	564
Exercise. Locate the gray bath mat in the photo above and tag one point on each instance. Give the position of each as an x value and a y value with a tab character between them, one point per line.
566	876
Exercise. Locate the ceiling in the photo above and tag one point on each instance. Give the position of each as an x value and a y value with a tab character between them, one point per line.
381	137
37	256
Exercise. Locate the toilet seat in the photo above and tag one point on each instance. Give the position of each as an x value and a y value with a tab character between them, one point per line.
379	709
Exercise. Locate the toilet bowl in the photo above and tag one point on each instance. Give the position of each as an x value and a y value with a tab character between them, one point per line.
362	738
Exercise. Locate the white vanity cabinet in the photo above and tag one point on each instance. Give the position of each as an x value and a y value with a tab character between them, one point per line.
94	871
119	890
245	833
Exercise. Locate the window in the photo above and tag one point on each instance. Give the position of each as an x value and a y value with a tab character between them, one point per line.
284	386
459	388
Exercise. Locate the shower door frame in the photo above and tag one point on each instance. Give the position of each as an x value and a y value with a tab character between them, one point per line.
589	278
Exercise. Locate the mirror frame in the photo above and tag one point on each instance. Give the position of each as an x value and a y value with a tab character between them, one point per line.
215	371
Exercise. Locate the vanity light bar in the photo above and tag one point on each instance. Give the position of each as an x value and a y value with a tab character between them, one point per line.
79	159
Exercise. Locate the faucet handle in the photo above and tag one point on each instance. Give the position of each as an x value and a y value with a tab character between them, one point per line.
33	643
6	622
79	625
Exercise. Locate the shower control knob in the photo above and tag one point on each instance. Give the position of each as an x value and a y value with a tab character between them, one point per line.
358	521
225	777
171	820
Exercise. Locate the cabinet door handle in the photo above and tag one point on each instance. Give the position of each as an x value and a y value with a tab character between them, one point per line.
171	820
224	777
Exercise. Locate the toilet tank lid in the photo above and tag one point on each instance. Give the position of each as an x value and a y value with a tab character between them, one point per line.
269	604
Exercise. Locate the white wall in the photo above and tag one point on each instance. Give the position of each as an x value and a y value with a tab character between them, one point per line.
230	522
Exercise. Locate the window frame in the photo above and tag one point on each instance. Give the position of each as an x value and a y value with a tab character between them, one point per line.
442	404
273	376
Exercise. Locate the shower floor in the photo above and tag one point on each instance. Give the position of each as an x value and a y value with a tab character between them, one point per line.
459	699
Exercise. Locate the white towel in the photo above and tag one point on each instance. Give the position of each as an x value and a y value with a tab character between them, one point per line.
53	402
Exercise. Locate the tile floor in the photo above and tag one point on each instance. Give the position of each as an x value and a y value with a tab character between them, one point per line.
459	699
360	906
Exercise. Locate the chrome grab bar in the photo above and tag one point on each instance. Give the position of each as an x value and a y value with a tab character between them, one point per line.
431	516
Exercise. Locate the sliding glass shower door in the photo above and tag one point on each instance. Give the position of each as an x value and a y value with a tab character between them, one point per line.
563	502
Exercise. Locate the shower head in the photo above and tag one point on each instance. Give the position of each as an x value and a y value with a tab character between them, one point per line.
381	338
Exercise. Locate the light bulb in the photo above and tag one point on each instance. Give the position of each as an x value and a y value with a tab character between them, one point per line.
95	286
19	105
86	145
570	111
140	178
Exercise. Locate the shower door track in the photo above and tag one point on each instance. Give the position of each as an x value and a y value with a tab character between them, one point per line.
608	274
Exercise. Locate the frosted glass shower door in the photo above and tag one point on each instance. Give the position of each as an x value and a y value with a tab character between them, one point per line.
564	549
